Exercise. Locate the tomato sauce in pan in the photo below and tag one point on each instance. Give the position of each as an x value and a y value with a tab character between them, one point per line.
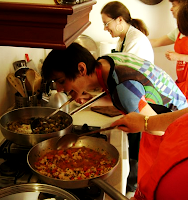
74	163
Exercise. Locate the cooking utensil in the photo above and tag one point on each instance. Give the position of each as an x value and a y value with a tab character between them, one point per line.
32	191
18	64
70	139
38	80
36	122
21	74
30	140
55	100
15	82
89	44
30	75
88	103
98	144
35	112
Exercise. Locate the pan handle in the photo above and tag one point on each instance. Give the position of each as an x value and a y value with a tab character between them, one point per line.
88	103
111	191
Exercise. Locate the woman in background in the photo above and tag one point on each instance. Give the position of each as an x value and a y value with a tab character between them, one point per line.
181	49
170	38
179	38
132	33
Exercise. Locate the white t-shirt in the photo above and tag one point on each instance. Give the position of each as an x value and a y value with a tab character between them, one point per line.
174	34
137	43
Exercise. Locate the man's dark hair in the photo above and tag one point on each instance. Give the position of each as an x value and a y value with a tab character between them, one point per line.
67	60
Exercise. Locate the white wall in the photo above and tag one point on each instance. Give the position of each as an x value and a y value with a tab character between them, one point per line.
8	55
158	19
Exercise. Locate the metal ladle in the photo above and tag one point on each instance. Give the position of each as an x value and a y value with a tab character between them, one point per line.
36	122
69	140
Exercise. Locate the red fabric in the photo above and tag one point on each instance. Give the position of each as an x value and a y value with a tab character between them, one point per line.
100	79
142	103
172	150
175	180
149	145
181	47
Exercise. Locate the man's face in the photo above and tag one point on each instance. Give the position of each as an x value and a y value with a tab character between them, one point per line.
74	87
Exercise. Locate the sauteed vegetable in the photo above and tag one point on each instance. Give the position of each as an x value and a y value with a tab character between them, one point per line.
74	163
53	124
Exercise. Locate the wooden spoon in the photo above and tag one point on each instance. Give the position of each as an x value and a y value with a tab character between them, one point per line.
38	80
16	83
30	74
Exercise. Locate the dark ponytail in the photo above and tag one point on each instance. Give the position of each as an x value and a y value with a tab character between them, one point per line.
140	25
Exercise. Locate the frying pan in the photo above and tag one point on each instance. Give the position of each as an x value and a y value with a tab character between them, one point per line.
30	140
98	144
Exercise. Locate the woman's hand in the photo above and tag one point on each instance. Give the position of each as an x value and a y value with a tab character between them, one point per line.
131	123
171	55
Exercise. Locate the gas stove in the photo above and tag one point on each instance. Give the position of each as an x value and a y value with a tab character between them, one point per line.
14	168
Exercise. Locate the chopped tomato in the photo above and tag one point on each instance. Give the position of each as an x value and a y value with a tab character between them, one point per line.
72	162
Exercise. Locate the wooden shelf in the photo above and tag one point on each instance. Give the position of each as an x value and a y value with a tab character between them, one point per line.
42	25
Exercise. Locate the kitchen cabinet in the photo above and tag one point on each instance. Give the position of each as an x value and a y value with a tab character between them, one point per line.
40	25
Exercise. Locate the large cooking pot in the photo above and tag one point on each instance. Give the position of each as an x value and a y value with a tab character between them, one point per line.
34	191
93	143
30	140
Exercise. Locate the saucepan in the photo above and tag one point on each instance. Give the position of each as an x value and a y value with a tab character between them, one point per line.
30	140
98	144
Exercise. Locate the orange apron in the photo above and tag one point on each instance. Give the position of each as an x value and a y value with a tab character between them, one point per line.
181	47
172	150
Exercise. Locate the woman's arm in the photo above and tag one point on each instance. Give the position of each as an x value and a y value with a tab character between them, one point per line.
148	111
162	41
135	122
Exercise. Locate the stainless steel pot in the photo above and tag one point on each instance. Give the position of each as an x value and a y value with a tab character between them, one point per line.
56	99
98	144
34	191
28	112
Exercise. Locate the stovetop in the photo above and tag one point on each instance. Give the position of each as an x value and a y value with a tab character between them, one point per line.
15	170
